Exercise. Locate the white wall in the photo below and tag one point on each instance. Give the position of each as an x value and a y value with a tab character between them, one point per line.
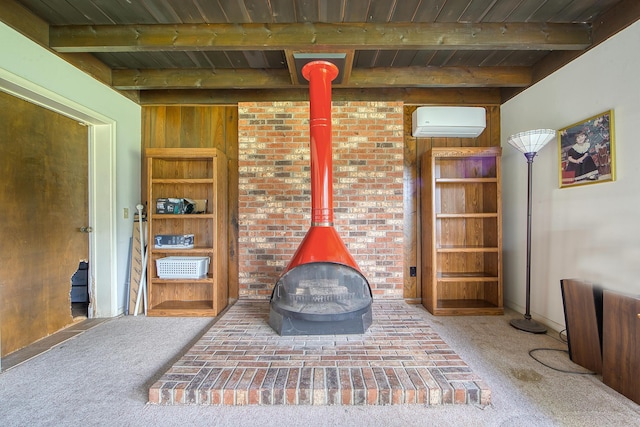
590	232
29	70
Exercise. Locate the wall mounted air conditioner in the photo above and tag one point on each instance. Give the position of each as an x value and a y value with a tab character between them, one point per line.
462	122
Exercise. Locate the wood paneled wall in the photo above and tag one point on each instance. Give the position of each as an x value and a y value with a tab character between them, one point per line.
43	171
201	126
413	151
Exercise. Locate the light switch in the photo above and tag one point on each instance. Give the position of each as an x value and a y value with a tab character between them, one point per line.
125	213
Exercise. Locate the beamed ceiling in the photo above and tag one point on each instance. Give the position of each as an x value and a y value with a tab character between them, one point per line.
225	51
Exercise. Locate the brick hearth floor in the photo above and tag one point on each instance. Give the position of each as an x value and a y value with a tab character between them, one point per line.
242	361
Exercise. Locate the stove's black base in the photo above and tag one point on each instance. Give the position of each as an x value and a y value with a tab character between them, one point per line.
287	323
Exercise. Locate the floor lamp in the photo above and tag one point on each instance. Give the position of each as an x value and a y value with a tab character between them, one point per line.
529	143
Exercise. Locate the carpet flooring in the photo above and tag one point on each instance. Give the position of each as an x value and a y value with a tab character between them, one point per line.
102	376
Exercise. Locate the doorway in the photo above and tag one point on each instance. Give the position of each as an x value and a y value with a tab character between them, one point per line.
44	169
43	158
102	181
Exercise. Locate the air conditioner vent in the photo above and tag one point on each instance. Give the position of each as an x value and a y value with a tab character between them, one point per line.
461	122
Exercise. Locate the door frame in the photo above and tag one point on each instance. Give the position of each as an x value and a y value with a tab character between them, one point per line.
103	286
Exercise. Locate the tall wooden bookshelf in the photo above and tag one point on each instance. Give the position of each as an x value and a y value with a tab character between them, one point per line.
461	231
198	174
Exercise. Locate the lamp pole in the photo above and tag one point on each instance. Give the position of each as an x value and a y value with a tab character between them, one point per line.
527	324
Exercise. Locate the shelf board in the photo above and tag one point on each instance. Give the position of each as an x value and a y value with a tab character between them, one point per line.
182	181
464	153
466	277
176	251
465	303
456	249
466	307
184	309
205	281
466	180
467	215
199	154
182	217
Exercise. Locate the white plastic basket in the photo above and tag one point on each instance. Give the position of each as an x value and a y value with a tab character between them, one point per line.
182	267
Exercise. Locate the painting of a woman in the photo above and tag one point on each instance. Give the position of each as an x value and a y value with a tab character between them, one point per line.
579	159
586	151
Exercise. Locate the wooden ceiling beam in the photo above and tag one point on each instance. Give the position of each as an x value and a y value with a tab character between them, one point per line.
410	96
307	36
196	78
440	77
360	78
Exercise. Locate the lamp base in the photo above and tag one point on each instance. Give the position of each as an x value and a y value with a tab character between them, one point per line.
528	325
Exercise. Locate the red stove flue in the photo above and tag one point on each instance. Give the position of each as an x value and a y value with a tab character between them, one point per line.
322	290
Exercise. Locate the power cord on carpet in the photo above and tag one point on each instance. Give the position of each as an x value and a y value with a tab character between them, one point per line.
561	338
557	349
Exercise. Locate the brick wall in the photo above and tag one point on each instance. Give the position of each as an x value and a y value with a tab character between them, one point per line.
275	196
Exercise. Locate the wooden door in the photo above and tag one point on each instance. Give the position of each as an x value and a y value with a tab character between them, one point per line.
44	203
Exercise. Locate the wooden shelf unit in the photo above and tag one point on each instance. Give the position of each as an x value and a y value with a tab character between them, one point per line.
194	173
461	231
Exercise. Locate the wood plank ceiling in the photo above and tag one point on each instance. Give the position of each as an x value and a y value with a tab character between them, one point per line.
148	46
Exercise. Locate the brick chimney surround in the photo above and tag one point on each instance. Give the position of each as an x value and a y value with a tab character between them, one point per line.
274	190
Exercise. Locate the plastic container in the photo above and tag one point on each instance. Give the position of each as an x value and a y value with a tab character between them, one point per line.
182	267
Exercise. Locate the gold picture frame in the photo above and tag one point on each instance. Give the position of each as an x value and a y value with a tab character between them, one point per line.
586	151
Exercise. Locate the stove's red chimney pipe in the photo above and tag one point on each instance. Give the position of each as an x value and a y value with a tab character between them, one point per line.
322	242
320	75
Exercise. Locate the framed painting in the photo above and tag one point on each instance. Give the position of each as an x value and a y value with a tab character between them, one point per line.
586	151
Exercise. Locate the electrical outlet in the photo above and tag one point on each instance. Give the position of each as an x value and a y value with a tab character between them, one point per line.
413	271
125	213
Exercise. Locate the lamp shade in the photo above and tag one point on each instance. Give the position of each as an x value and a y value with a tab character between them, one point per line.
531	141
